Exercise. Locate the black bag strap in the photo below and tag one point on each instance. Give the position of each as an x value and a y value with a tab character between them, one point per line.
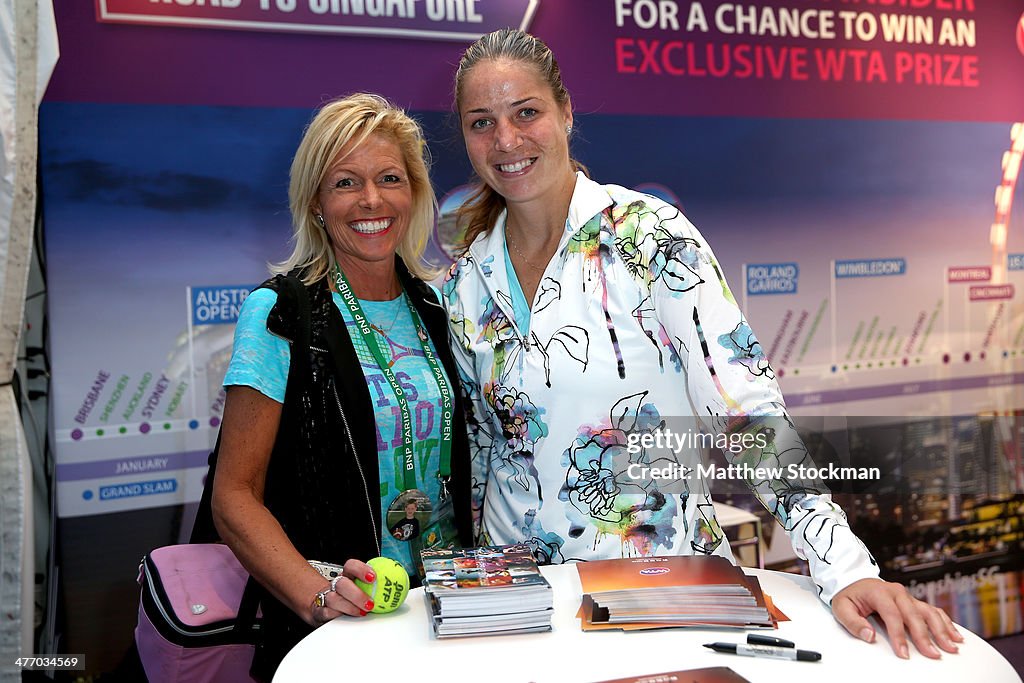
203	530
248	607
296	301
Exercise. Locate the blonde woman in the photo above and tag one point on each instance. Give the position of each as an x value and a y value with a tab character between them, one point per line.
318	450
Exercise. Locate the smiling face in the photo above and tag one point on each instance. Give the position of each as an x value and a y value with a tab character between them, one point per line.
365	198
515	132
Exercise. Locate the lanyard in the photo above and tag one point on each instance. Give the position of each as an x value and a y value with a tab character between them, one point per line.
363	324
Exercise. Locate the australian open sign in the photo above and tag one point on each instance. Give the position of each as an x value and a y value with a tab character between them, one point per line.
429	19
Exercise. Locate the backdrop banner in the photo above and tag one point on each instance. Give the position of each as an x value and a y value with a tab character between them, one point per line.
853	165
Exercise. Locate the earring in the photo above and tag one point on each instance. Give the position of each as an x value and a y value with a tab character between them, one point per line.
568	129
319	219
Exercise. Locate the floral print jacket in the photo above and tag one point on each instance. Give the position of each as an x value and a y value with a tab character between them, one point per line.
633	336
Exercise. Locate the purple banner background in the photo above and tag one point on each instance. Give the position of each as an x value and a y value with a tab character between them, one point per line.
175	65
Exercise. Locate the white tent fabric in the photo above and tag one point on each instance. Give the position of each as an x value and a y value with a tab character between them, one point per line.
28	53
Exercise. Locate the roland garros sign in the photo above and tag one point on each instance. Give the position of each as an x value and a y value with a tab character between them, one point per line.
429	19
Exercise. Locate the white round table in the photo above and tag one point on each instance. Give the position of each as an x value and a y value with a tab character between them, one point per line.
401	646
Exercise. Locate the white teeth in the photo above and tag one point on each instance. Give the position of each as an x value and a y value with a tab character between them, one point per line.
516	167
370	227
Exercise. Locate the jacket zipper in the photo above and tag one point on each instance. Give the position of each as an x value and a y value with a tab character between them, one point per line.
524	340
355	456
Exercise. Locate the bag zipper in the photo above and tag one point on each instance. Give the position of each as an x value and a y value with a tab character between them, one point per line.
172	619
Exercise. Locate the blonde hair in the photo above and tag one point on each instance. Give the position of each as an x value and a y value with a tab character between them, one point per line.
346	123
483	206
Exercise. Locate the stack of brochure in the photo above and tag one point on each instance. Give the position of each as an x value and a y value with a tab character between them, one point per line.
665	592
485	591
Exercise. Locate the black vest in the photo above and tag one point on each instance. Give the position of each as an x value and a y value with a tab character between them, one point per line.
322	483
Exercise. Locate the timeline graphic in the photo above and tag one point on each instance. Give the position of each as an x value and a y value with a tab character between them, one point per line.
162	423
891	327
849	324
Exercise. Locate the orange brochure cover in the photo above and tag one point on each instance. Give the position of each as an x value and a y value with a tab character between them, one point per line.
678	572
631	573
773	609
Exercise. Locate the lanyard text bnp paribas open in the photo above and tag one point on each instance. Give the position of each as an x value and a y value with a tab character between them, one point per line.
369	338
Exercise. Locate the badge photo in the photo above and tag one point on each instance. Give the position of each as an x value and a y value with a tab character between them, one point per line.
407	514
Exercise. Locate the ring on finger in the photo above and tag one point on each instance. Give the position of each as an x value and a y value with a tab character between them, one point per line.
321	598
334	583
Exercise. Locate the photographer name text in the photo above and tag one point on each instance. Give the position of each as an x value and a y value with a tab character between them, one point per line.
743	471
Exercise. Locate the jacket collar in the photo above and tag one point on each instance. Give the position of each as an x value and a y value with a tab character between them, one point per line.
588	199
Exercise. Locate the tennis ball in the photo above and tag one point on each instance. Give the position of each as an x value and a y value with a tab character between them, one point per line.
391	586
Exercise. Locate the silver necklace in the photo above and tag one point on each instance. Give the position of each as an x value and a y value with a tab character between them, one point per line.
387	332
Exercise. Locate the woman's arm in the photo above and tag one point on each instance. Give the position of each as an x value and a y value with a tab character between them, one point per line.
730	380
251	421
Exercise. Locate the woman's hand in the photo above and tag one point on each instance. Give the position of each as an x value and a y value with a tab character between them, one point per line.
343	596
900	612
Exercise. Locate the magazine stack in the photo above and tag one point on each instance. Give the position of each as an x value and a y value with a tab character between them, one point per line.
665	592
486	591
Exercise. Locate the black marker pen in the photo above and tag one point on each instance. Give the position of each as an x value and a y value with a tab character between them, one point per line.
758	639
765	651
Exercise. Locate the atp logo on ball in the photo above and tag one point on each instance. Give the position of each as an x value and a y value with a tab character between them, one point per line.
389	589
391	593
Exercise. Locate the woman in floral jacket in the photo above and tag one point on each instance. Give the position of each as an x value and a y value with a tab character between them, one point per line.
594	328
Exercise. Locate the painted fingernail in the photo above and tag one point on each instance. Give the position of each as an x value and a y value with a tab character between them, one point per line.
362	613
904	652
368	606
867	635
370	577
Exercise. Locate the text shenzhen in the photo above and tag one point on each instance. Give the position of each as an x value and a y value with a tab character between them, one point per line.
871	267
772	278
142	488
217	305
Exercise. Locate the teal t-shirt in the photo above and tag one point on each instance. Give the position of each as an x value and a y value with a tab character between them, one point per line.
260	360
